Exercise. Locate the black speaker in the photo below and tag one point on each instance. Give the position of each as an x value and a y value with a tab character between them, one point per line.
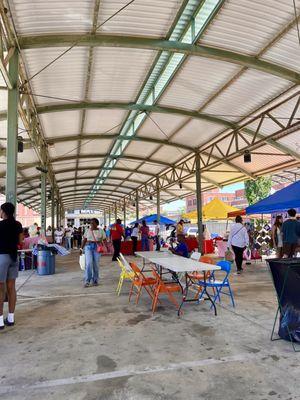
247	157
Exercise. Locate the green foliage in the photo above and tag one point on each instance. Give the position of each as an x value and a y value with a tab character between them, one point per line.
258	189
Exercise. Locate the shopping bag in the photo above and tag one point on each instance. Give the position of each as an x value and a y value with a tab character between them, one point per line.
247	254
229	256
82	262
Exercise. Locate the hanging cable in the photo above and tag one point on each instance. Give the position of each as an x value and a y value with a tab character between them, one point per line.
76	43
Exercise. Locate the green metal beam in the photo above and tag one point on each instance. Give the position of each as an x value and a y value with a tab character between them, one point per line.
100	136
12	131
45	41
132	106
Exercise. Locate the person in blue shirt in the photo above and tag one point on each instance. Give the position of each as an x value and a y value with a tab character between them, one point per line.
291	234
181	249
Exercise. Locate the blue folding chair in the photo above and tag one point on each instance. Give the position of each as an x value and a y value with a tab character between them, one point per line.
219	285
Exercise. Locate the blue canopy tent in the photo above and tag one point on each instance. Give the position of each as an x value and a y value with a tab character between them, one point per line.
150	218
284	199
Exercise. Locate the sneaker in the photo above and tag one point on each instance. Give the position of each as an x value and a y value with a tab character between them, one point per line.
238	273
2	327
87	284
7	323
96	284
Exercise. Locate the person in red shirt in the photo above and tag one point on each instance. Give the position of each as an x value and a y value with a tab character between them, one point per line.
145	236
116	233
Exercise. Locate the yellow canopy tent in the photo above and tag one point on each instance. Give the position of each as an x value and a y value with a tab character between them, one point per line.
215	209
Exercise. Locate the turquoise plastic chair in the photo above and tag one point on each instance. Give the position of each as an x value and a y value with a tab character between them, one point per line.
219	285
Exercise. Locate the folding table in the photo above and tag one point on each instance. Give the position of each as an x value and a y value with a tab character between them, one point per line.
176	264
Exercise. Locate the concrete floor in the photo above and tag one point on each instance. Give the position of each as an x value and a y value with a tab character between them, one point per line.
87	344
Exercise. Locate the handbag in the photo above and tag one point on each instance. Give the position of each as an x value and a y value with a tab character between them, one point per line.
82	262
229	256
100	248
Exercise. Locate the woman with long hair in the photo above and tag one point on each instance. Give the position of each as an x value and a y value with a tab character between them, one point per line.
93	237
277	236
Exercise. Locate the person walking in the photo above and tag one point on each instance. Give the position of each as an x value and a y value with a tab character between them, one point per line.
238	240
277	236
93	237
134	237
157	234
79	237
116	233
11	235
68	237
291	234
145	236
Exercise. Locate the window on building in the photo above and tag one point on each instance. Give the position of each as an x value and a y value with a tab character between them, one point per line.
190	202
194	202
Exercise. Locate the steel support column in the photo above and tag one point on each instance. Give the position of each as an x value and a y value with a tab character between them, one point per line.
116	212
52	212
57	214
43	201
104	218
158	201
12	131
109	217
137	206
124	211
199	203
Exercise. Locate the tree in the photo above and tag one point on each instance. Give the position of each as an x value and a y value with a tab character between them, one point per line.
258	189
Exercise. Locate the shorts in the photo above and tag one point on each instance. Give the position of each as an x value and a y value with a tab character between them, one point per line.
8	268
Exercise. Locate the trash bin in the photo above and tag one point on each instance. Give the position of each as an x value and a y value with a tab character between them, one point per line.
45	262
286	278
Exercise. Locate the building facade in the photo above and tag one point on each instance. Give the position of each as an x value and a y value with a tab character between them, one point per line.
236	199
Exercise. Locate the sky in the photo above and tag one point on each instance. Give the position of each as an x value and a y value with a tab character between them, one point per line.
175	205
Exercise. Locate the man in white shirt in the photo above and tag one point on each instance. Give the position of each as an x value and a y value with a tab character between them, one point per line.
157	237
58	235
68	236
238	240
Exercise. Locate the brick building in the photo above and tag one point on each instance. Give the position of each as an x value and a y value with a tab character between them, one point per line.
24	214
236	199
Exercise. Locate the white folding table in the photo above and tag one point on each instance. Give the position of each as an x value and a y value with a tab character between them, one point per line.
146	255
176	264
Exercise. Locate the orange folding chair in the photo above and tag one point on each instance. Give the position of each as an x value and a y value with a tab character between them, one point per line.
141	281
195	276
164	287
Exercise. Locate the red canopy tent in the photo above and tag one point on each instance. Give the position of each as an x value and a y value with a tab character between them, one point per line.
235	213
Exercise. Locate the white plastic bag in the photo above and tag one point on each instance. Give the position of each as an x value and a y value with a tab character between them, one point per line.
82	262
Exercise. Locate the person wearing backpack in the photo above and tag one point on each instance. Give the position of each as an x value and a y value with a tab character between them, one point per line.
238	240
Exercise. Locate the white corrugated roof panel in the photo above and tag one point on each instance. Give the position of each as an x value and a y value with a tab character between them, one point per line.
170	154
196	82
247	26
197	132
63	81
167	124
95	147
103	121
42	16
152	167
140	149
247	93
118	73
142	18
286	51
66	123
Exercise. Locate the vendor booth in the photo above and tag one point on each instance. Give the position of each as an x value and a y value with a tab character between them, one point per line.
215	210
153	217
281	201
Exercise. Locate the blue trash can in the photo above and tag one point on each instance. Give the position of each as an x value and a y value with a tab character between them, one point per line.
45	262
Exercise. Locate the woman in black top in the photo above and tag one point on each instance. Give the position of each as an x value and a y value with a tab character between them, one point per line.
11	234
